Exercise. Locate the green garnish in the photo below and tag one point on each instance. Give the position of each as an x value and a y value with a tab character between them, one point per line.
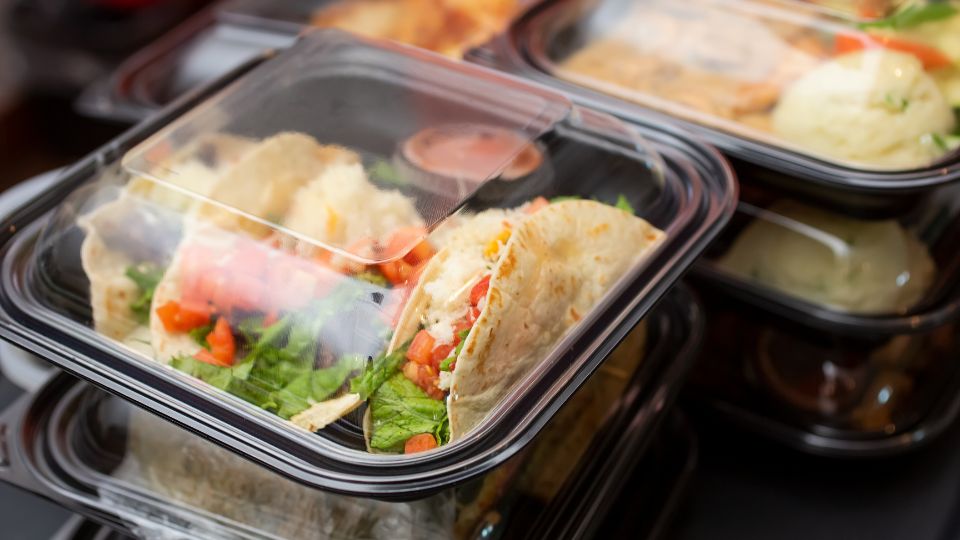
200	333
445	364
278	371
897	103
372	278
562	198
399	409
914	15
377	371
624	204
146	276
385	172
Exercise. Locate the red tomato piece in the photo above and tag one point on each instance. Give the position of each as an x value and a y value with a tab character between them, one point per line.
223	346
931	57
461	325
397	272
419	443
178	317
472	315
207	357
421	348
479	291
440	353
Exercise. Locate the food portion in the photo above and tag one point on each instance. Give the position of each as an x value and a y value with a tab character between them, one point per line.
488	311
449	27
843	263
286	275
245	268
881	95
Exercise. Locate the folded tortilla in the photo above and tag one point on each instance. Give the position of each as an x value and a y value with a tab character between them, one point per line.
555	267
142	225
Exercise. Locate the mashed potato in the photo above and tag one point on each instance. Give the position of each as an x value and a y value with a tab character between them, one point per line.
878	108
854	265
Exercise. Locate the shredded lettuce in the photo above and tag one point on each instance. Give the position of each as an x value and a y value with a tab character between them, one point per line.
146	276
399	410
624	204
377	371
914	15
279	371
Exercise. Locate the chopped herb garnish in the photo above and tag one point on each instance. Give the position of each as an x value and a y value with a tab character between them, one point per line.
914	15
146	276
374	278
897	103
383	171
624	204
562	198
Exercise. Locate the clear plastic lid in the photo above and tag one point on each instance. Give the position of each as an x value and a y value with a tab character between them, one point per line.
793	253
357	253
331	182
875	96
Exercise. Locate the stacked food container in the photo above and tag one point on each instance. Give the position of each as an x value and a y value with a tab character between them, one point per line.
831	299
232	33
361	290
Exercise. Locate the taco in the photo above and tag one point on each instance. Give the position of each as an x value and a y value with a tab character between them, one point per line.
129	240
265	293
487	310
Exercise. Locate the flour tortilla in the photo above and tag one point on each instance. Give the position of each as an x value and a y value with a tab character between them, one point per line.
555	267
139	226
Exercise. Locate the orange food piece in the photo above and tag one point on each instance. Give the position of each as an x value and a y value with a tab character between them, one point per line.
177	317
419	443
421	348
207	357
479	291
537	204
931	57
223	346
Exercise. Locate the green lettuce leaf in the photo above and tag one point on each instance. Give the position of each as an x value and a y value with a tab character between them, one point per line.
377	371
914	15
399	410
146	276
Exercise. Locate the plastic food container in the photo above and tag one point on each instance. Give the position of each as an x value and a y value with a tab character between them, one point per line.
230	34
772	84
830	332
194	53
103	458
188	188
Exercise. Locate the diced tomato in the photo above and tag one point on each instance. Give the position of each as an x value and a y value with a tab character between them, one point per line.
206	356
472	315
402	240
537	204
270	318
178	317
479	291
222	344
931	57
440	353
397	272
461	325
419	443
425	377
421	348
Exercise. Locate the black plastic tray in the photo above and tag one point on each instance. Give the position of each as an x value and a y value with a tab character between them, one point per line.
48	450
